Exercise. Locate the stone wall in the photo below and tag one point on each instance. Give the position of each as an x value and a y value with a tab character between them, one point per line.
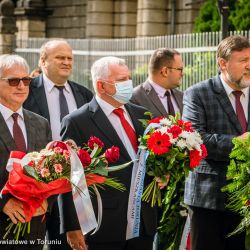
68	19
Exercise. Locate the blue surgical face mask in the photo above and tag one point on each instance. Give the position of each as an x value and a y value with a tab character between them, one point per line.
123	91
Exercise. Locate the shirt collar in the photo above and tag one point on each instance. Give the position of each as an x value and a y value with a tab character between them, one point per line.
49	85
7	113
158	89
106	107
229	90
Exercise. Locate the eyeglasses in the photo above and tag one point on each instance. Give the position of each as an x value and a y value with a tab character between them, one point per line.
14	82
180	69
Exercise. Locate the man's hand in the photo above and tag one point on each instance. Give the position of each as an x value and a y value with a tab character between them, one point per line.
76	240
162	182
42	209
244	136
14	209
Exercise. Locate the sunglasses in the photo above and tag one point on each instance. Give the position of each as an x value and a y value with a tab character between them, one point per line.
14	82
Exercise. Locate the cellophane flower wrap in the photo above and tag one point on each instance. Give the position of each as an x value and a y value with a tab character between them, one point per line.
35	177
174	148
238	188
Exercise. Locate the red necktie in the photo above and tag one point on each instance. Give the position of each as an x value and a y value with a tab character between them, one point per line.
240	111
18	134
127	127
170	104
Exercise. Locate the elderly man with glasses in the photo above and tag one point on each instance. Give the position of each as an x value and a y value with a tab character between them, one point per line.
18	131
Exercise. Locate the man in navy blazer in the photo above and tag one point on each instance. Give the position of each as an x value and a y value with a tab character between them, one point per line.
113	87
214	109
56	62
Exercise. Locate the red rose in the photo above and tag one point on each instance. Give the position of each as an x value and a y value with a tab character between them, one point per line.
175	131
84	157
187	126
112	154
156	120
58	144
204	151
195	158
94	140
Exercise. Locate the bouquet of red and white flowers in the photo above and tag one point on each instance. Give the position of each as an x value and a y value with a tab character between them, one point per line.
36	176
60	168
173	148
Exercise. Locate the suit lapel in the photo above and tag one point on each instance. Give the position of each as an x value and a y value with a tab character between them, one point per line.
225	103
153	97
31	130
178	98
38	92
78	96
102	123
6	136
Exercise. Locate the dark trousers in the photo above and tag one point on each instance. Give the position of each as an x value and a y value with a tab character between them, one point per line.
144	243
209	230
57	241
32	241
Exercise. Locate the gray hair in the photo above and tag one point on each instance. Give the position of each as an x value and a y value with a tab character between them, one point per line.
8	61
100	68
50	44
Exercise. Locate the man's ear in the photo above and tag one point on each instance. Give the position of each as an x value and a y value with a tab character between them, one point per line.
222	63
99	87
164	71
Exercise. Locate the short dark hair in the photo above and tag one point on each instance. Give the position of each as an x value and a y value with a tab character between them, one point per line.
230	44
161	57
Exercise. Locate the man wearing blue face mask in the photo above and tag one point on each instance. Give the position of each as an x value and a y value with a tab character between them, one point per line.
112	119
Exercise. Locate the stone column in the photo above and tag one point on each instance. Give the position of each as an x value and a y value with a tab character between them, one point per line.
31	19
125	18
7	27
153	18
100	17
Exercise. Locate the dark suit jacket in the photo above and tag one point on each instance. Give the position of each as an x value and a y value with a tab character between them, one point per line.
208	107
36	141
79	126
37	102
145	95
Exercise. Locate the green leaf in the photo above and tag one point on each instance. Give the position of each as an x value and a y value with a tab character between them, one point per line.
30	171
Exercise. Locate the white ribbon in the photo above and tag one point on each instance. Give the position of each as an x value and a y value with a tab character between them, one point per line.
136	190
185	234
82	201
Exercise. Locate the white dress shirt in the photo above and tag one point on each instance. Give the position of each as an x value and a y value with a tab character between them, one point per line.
115	121
52	95
160	91
244	98
7	116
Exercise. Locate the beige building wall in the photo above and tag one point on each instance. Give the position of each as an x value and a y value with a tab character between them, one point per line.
68	19
104	18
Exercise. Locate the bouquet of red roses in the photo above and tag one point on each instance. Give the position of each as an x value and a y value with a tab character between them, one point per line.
173	148
96	163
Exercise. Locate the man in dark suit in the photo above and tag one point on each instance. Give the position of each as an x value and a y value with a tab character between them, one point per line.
46	91
18	131
219	110
159	94
111	80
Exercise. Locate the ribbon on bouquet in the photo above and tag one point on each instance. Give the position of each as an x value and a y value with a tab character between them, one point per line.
82	201
136	191
81	197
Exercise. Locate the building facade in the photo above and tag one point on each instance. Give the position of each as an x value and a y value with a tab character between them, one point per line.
79	19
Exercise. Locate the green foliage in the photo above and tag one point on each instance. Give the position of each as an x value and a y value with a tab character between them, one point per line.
240	16
238	175
209	17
